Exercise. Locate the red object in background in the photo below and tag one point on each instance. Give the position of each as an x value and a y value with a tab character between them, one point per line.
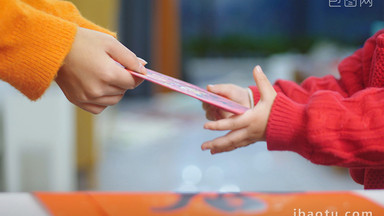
210	204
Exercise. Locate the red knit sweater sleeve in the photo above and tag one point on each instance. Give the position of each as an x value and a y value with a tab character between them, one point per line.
331	129
352	80
330	121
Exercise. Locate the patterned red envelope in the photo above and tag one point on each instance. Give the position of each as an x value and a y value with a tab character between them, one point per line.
192	91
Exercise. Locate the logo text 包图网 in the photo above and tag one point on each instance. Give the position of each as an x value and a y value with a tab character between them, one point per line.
350	3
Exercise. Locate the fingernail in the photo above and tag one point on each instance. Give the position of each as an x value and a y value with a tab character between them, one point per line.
142	61
142	69
258	69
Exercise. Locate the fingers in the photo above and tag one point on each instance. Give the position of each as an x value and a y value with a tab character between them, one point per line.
92	108
246	128
90	77
96	105
232	92
142	61
212	112
126	57
232	140
107	100
264	86
220	89
121	78
110	90
232	123
223	114
229	91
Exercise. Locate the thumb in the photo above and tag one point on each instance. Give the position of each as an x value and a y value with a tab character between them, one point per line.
263	85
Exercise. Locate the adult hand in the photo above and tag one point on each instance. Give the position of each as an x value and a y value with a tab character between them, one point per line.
230	91
247	128
90	77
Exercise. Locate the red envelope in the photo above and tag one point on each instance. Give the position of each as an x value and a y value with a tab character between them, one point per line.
192	91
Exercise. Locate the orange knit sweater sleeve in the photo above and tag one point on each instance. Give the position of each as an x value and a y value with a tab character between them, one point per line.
35	37
66	10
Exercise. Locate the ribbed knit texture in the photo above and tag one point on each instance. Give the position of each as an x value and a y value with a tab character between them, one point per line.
35	37
336	122
66	11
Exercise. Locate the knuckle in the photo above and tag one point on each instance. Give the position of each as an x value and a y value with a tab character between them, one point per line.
70	99
92	111
232	124
134	62
107	76
95	112
81	98
116	100
93	93
215	146
231	142
131	86
98	110
109	41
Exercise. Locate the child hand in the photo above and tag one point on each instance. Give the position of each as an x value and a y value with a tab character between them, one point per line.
90	78
248	127
230	91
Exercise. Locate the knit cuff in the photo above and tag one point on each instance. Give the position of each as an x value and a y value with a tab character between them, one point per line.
256	93
380	40
357	174
44	40
84	23
67	11
286	126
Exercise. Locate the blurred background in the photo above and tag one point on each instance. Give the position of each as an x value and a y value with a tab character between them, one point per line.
151	140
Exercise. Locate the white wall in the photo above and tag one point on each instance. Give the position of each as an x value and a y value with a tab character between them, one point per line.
38	151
